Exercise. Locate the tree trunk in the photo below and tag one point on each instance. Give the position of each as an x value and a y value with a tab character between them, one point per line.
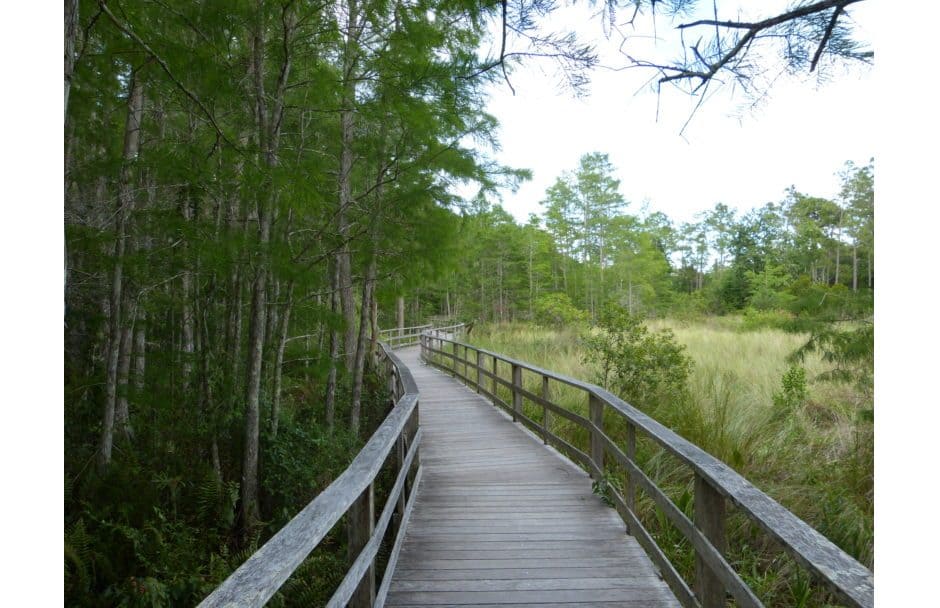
374	323
400	313
140	352
271	333
335	338
359	363
189	335
855	267
122	418
838	252
249	489
347	136
279	360
268	125
135	105
71	33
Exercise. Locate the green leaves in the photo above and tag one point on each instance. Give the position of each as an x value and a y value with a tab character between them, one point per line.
646	369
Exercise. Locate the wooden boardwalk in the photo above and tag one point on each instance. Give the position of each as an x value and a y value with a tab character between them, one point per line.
502	520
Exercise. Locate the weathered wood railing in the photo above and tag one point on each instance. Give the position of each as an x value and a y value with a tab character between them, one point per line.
715	482
352	494
397	337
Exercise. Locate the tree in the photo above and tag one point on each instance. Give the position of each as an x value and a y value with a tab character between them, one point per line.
579	209
857	197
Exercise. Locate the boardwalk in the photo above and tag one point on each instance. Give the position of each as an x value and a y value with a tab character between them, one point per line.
501	520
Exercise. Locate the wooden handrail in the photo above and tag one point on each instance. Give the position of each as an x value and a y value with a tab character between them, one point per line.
262	574
401	330
413	337
715	481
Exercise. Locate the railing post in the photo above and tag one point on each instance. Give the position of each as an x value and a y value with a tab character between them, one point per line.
710	519
516	395
455	359
466	364
479	372
546	414
596	407
401	449
494	379
630	497
361	522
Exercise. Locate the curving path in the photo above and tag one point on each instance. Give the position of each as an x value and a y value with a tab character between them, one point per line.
501	520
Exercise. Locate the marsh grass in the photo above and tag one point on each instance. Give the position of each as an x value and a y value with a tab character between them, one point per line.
815	457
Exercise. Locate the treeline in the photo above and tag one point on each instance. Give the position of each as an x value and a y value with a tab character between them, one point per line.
249	188
591	248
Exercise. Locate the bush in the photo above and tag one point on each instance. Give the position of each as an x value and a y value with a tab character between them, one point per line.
793	391
556	310
756	319
647	369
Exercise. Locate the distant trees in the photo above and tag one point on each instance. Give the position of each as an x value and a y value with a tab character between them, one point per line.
587	246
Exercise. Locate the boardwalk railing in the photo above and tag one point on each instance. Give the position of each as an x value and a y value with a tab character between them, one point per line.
397	337
715	482
352	494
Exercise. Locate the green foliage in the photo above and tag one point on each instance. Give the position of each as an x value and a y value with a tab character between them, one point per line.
556	310
603	487
768	288
648	369
793	391
755	320
303	460
851	350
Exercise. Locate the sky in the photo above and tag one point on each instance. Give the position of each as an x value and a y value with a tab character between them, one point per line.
801	134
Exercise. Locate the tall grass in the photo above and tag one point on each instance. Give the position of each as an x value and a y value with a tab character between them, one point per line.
815	458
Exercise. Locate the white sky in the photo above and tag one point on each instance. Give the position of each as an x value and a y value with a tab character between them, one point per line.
800	135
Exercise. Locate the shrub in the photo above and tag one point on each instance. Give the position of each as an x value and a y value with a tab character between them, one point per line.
556	310
645	368
756	319
793	391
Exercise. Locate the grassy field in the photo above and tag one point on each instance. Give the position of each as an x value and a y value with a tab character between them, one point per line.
816	459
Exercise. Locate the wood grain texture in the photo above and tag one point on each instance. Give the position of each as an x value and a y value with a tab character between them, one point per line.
502	520
262	574
849	580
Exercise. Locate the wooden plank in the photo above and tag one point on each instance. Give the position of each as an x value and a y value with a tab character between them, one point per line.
496	505
358	587
527	584
640	603
395	553
706	552
259	578
848	579
458	598
596	408
710	519
350	591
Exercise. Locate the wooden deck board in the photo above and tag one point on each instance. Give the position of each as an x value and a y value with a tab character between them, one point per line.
501	520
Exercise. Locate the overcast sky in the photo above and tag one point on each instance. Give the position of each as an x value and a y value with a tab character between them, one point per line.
800	135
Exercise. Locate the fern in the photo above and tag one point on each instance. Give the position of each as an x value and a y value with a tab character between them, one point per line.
78	558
